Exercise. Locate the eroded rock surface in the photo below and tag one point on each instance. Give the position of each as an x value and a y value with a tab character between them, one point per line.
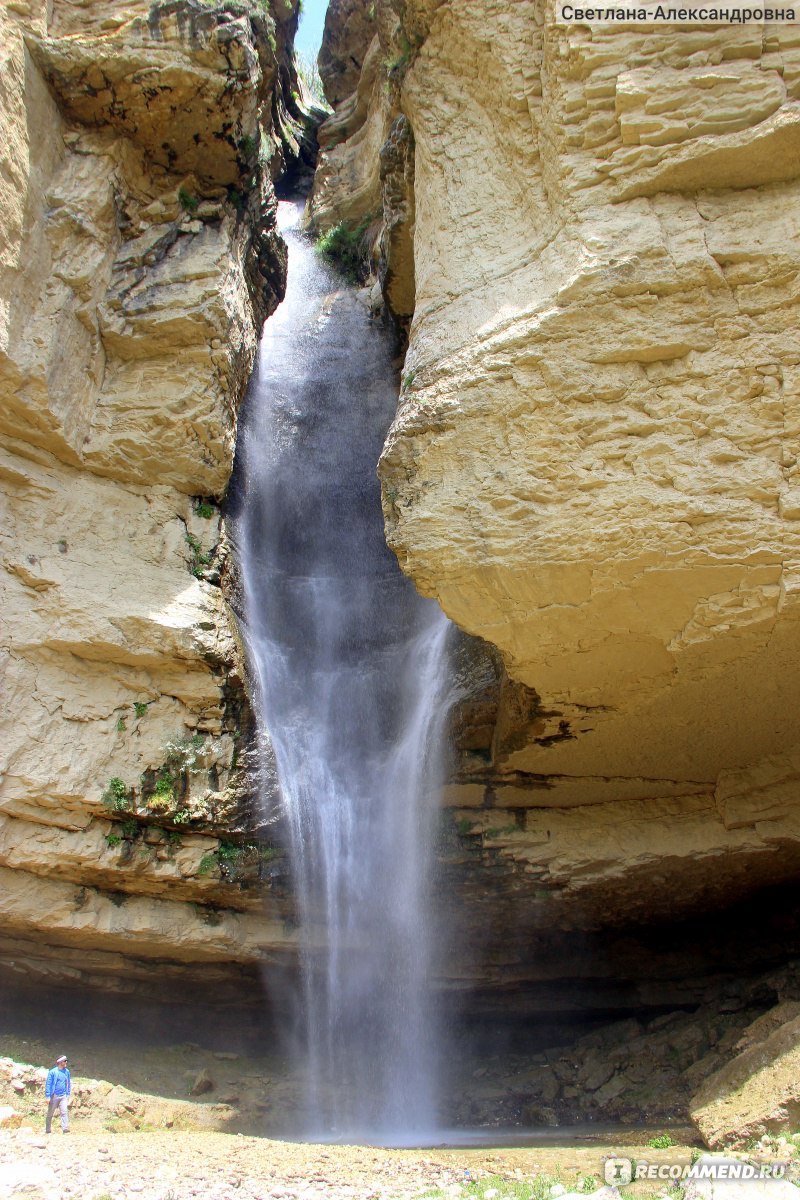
756	1092
139	262
588	234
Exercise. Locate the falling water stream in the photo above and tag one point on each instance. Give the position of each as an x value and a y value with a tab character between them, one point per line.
350	664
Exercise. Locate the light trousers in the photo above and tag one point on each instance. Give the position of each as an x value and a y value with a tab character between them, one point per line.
60	1103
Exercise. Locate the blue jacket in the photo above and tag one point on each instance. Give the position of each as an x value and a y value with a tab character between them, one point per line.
58	1082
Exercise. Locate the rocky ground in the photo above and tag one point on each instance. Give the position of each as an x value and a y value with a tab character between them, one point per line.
124	1083
216	1166
148	1122
174	1122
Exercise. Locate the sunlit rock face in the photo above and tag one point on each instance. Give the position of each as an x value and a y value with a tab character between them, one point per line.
139	260
590	236
594	462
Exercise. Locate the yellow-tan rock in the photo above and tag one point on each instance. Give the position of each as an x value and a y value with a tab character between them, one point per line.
757	1091
593	464
140	257
349	31
589	234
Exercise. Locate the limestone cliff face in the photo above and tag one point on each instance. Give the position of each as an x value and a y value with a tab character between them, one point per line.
590	235
139	260
594	461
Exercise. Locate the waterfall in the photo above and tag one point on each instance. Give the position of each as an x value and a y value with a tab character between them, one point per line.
350	666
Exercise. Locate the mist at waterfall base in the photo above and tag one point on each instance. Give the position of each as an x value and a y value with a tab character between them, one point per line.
350	665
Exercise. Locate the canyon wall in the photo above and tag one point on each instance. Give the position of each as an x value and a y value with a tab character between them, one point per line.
588	238
585	238
140	259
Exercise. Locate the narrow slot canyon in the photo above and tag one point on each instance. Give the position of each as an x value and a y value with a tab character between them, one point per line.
400	549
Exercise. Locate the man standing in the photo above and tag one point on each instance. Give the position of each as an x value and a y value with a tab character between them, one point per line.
57	1089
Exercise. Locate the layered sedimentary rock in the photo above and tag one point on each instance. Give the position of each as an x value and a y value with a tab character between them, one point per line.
139	262
594	466
756	1091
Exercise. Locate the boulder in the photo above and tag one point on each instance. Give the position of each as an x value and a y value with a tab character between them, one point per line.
697	1188
758	1090
202	1083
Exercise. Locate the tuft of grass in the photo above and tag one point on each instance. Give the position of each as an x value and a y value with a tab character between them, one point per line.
248	145
205	510
117	797
187	201
121	726
502	831
207	864
233	858
140	708
113	840
662	1141
165	787
497	1187
200	557
345	248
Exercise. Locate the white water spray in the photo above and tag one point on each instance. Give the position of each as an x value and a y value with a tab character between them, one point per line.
351	671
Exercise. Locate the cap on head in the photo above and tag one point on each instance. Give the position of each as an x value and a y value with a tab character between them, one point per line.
61	1058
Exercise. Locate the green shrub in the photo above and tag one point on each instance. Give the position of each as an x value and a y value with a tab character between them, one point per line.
181	751
500	831
117	797
662	1141
200	557
248	144
165	786
121	726
187	201
207	863
112	840
232	857
140	708
345	249
205	510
